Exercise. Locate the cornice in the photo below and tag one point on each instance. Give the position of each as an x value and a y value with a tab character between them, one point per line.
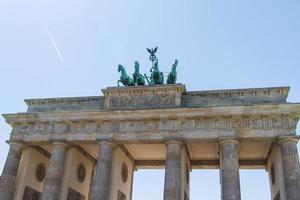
143	90
284	90
63	100
172	113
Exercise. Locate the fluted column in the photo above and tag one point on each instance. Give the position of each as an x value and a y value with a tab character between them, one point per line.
291	166
229	166
173	182
55	172
101	185
10	170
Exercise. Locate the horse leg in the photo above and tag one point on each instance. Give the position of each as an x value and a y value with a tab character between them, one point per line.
147	79
118	83
162	78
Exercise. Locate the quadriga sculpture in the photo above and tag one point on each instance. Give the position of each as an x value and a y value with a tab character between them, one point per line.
124	78
172	77
138	78
156	77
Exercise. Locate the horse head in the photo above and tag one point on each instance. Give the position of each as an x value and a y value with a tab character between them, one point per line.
136	66
121	68
175	64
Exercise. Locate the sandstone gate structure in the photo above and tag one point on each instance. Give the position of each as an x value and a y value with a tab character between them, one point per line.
89	147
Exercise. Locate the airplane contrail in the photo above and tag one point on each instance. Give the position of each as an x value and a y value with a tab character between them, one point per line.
53	42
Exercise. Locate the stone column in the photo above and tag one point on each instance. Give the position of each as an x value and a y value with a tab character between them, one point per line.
229	166
55	172
173	178
291	166
101	185
10	170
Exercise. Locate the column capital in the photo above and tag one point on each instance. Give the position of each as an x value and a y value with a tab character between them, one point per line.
107	142
228	140
61	143
290	139
18	144
52	140
181	143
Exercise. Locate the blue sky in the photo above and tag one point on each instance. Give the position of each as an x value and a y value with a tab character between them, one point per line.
219	44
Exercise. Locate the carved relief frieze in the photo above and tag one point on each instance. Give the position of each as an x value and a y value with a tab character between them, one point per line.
228	123
184	124
167	125
255	123
139	126
60	127
202	123
20	128
143	97
266	122
237	123
218	123
285	121
135	101
157	125
276	122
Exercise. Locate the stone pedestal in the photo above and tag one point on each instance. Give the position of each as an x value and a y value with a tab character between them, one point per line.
173	178
291	167
10	170
102	181
55	172
229	166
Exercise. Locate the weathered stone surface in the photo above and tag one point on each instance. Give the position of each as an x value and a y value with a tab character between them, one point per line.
291	166
101	184
75	195
166	96
147	97
65	104
55	172
235	97
229	166
31	194
148	115
173	179
212	122
181	124
10	170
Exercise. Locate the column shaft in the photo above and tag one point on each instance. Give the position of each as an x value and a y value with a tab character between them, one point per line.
55	172
229	166
10	170
173	182
101	185
291	167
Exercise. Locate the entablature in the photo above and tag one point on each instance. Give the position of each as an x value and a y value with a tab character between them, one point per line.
244	121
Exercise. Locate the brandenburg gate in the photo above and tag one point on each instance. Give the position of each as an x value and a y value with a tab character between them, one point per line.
89	147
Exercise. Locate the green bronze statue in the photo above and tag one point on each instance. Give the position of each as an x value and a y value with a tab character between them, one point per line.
152	52
124	78
172	77
156	77
138	78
